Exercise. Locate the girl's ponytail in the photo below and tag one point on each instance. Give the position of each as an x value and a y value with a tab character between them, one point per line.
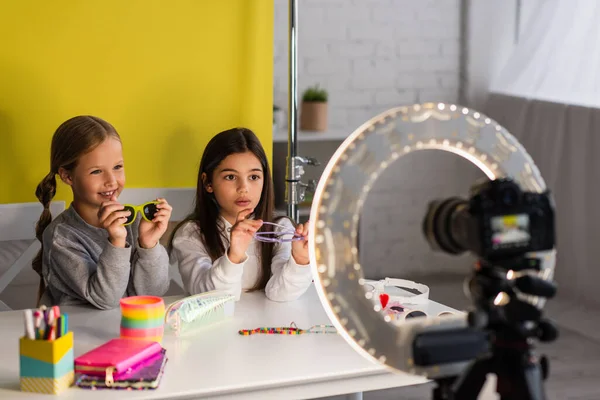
45	192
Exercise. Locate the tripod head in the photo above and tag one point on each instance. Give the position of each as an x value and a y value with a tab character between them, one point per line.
503	293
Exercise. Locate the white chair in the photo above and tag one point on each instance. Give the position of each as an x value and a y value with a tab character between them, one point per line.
17	223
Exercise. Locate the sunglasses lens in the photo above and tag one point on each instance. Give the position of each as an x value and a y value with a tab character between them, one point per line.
131	216
149	211
415	314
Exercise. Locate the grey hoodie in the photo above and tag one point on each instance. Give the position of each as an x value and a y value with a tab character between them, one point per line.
80	265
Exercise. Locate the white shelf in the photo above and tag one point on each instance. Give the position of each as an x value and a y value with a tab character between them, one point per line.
334	135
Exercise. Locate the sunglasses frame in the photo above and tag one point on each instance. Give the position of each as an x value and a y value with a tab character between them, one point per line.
138	209
262	236
378	287
406	312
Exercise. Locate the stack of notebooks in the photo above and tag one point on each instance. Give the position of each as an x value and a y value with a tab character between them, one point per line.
121	364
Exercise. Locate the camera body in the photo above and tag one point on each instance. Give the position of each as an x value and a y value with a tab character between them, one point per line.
498	222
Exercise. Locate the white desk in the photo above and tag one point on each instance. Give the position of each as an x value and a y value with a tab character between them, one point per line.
220	363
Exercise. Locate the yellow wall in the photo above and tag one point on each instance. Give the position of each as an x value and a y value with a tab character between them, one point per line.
167	74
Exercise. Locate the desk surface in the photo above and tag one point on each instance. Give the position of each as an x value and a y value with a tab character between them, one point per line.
218	362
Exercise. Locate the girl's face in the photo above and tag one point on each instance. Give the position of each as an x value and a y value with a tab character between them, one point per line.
237	184
98	176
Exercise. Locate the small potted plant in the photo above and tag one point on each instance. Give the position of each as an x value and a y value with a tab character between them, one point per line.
313	113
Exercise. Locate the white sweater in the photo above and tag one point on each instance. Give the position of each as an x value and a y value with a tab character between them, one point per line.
289	280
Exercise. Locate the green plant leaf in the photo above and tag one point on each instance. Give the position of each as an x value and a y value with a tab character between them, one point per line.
315	94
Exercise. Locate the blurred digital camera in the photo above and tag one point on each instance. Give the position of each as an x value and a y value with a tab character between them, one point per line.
499	221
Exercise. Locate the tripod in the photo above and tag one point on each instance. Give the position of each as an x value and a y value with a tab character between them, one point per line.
512	324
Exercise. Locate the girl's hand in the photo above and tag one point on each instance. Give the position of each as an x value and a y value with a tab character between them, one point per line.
242	234
111	217
151	232
300	247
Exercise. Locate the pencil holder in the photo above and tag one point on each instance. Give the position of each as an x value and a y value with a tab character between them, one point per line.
46	366
142	317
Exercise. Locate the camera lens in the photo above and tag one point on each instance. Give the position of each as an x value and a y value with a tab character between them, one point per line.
437	225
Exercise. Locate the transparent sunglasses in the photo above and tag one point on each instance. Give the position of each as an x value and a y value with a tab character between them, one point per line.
397	311
284	234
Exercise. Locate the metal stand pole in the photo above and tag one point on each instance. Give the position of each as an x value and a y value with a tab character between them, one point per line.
292	177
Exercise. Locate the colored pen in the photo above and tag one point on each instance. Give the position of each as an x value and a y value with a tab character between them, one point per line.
49	334
65	324
37	316
28	315
57	320
59	327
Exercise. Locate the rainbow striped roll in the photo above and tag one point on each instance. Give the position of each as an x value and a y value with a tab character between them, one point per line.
141	323
155	334
142	317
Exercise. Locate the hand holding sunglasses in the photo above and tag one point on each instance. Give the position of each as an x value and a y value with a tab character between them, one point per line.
148	210
155	219
300	247
241	235
277	234
111	217
283	234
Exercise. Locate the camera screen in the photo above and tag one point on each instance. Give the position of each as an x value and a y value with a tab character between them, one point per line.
510	230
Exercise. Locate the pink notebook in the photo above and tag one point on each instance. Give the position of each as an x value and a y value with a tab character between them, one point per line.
144	376
115	357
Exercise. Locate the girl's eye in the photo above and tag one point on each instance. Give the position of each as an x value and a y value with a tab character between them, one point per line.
255	177
120	166
95	172
229	177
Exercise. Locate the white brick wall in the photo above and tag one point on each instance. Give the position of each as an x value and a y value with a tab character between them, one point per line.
391	238
370	54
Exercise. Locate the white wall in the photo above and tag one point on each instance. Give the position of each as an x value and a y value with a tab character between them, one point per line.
492	27
370	54
528	11
391	238
556	57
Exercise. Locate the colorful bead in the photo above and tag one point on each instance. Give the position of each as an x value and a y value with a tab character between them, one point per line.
291	330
